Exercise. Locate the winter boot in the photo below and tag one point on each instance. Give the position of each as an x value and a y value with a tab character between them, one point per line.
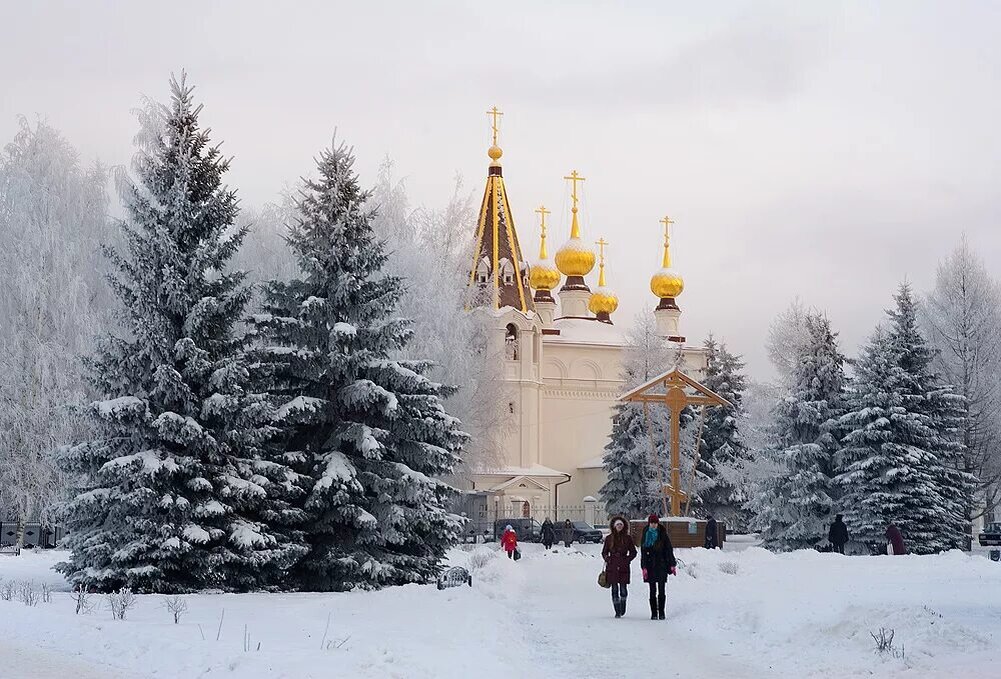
622	608
617	605
661	603
653	608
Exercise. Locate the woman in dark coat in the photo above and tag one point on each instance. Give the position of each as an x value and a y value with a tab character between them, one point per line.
838	534
895	539
618	553
567	533
548	534
712	534
657	561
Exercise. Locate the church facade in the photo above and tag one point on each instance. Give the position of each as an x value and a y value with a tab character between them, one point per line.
562	355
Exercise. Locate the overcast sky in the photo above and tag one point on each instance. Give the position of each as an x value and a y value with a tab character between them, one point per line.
819	150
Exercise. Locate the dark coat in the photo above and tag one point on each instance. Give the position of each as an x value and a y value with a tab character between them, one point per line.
566	532
712	534
838	535
548	534
896	539
618	552
658	559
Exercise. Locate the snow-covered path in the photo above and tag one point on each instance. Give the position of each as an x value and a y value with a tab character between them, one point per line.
730	614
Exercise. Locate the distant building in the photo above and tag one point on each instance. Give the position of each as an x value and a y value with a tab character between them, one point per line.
562	357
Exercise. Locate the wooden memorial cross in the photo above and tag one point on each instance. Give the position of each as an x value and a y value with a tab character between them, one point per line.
675	390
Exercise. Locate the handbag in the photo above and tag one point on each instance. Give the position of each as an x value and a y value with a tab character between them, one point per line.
603	580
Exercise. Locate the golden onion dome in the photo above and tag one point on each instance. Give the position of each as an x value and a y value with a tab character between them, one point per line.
575	258
544	276
667	283
603	300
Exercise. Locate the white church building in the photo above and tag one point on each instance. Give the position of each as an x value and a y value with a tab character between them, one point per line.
563	359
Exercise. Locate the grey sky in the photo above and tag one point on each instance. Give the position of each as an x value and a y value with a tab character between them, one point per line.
818	150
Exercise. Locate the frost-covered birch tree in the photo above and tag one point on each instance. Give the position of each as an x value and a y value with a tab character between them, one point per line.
176	491
369	430
962	319
53	215
430	248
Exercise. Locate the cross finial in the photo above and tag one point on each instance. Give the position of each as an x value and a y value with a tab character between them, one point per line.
574	178
494	113
667	221
601	243
543	212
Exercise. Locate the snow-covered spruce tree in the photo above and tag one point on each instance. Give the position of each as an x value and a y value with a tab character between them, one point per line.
631	464
370	431
945	410
886	463
720	474
168	494
792	509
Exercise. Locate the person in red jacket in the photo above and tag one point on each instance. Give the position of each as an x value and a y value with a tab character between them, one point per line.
509	541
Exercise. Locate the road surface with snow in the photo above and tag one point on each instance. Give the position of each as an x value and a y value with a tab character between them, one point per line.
741	613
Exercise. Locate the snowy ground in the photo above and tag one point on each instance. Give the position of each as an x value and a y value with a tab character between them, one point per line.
792	615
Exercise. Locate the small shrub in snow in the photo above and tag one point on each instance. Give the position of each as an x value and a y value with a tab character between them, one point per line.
177	606
480	558
81	597
729	567
7	590
26	593
120	602
46	591
884	643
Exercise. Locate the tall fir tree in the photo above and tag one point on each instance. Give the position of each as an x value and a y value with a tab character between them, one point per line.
174	491
637	443
723	453
792	509
901	458
370	432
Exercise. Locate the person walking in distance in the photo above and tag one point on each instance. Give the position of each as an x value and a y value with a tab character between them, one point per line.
509	541
712	534
618	553
838	535
657	560
895	540
567	533
548	533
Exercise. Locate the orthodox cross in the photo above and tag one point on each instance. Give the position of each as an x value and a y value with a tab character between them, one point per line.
601	243
494	113
667	221
542	239
574	178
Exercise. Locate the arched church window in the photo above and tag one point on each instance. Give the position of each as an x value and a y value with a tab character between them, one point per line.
482	271
511	342
507	271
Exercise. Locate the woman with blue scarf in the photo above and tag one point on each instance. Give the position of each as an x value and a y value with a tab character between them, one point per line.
657	560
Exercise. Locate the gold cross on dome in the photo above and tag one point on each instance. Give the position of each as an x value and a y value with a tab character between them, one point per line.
574	178
494	113
543	212
666	221
601	243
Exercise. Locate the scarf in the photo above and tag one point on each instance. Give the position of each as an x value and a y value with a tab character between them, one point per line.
650	536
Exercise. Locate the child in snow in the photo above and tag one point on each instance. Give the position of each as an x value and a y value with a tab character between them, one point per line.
657	560
838	534
509	541
618	552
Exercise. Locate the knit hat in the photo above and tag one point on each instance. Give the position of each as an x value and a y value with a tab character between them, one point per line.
653	518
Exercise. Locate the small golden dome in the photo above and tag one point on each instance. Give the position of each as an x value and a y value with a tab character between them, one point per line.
667	283
494	152
575	258
603	300
544	276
